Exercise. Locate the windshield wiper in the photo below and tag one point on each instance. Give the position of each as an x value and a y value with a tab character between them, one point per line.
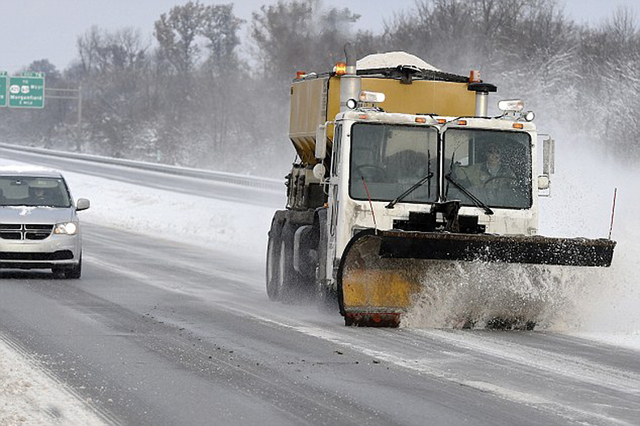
416	185
466	192
410	190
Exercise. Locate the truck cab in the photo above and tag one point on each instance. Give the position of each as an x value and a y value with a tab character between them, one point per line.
387	169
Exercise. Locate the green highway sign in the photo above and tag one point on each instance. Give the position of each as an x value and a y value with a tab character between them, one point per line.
3	88
27	90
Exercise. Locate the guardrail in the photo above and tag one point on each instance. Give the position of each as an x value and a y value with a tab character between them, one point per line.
243	180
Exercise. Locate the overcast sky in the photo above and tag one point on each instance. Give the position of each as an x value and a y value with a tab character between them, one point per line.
48	29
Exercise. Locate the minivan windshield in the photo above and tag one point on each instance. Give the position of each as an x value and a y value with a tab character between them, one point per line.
33	192
388	159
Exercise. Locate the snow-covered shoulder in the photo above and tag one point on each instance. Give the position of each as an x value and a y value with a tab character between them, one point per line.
28	396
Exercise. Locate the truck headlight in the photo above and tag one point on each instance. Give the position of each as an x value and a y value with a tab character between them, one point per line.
68	228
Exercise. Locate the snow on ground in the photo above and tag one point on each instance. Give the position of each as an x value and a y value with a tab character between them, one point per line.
28	396
222	225
606	305
629	340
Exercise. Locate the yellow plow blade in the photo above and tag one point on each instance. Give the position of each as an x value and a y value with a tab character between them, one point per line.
381	273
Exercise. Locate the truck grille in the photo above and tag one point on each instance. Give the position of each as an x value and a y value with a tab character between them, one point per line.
24	231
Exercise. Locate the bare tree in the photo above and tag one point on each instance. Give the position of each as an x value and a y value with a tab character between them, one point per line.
299	35
220	29
176	34
88	46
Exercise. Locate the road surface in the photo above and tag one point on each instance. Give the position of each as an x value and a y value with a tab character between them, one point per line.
159	332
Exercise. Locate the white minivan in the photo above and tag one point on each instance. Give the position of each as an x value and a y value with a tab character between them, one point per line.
39	227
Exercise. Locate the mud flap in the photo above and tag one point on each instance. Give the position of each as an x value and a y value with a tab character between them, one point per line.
379	272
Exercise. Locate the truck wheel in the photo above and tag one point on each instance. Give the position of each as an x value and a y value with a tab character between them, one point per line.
287	277
273	257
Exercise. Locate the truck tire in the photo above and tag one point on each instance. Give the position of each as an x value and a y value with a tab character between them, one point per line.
289	281
273	256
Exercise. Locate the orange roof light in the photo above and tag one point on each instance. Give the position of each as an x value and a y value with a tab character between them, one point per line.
474	76
462	122
441	121
300	74
421	120
518	126
363	116
341	68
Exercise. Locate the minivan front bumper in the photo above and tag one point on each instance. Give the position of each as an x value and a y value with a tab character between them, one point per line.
56	250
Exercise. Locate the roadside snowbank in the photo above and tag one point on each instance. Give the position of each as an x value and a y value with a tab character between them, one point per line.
28	396
218	224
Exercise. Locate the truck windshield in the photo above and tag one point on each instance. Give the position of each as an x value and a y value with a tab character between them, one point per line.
33	192
494	166
389	159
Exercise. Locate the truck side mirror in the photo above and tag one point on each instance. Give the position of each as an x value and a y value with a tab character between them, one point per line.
548	167
321	142
548	157
543	182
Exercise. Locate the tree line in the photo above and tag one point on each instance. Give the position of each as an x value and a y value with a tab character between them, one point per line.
200	93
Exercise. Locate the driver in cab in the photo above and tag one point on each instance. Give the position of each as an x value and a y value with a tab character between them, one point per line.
480	174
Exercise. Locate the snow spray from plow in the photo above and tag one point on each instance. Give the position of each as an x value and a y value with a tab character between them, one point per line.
382	274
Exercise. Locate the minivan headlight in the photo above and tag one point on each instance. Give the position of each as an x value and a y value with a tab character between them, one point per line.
69	228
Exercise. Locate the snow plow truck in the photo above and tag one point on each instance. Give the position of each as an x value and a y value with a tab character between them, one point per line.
400	168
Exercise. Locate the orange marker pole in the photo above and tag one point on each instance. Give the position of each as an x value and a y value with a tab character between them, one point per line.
613	210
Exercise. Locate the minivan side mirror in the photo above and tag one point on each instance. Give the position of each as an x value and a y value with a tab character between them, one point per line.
82	204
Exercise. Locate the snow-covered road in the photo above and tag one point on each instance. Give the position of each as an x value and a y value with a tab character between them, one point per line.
239	229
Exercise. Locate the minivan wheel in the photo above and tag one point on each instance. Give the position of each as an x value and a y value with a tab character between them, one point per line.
75	271
71	273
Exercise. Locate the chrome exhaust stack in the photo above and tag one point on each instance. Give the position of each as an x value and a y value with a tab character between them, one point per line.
349	82
482	93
